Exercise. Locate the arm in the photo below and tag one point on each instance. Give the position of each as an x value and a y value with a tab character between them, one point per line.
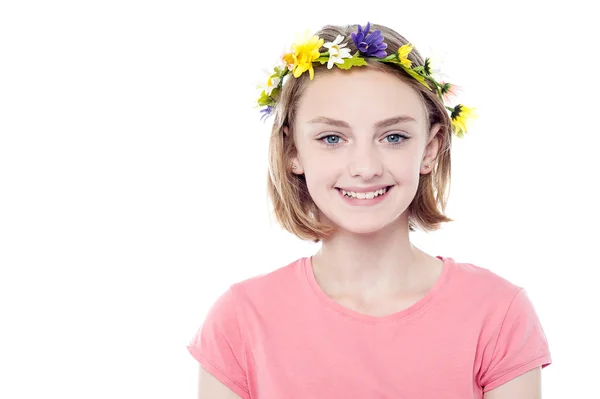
525	386
211	388
219	348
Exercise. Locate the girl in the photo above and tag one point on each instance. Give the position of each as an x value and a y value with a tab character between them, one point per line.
359	158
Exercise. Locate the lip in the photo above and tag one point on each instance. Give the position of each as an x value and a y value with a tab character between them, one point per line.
364	189
364	202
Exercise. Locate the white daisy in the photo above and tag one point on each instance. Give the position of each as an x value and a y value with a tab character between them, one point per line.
336	51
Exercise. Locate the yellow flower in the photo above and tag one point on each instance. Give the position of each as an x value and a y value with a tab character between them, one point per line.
288	61
304	52
460	116
403	53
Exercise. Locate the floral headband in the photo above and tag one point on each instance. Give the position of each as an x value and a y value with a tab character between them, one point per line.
305	52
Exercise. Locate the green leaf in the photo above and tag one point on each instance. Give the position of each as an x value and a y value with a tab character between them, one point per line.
323	58
427	66
391	57
352	61
284	72
417	76
265	99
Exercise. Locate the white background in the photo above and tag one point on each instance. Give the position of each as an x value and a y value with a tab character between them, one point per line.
133	170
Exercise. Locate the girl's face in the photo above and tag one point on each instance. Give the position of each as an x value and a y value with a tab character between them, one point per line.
362	142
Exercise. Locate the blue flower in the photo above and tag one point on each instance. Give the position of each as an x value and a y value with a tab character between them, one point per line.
370	45
266	112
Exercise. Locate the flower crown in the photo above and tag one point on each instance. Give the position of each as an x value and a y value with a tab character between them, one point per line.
304	53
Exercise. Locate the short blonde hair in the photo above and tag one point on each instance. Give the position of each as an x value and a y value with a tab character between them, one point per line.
292	204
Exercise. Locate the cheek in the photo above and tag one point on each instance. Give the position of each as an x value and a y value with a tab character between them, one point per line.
406	177
318	174
321	173
316	164
405	167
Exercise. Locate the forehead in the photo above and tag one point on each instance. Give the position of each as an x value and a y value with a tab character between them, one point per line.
359	96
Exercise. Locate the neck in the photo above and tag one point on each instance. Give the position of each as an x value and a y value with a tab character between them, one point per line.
371	266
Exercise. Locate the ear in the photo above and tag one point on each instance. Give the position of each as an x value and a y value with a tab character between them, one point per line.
298	165
296	162
431	149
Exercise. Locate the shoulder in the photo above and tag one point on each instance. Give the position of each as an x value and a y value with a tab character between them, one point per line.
256	294
281	274
508	333
479	281
282	282
482	294
497	307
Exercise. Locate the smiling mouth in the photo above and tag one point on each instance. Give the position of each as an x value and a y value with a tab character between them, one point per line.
365	196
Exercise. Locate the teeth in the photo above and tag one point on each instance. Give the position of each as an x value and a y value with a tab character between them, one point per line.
369	195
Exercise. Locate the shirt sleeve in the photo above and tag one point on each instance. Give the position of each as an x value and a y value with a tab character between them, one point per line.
219	347
520	346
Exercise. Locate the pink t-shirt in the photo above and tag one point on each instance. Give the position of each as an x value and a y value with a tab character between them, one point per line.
278	335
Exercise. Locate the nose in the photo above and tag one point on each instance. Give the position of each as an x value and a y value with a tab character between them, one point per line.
365	162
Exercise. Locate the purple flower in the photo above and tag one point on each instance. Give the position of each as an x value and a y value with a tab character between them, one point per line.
266	112
370	45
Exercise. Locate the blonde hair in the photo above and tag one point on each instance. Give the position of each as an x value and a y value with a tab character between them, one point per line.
293	206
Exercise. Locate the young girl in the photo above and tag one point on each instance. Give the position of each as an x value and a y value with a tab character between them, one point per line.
359	158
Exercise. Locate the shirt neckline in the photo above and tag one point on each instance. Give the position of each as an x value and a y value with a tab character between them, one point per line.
370	319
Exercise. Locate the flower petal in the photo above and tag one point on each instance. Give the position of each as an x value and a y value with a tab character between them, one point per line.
376	37
358	38
380	54
344	53
405	50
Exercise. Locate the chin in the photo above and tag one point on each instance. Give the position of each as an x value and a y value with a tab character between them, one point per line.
365	225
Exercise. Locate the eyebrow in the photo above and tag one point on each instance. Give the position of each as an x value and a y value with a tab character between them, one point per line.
383	123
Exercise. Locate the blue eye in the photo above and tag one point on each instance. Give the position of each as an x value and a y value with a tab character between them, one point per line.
331	139
395	138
